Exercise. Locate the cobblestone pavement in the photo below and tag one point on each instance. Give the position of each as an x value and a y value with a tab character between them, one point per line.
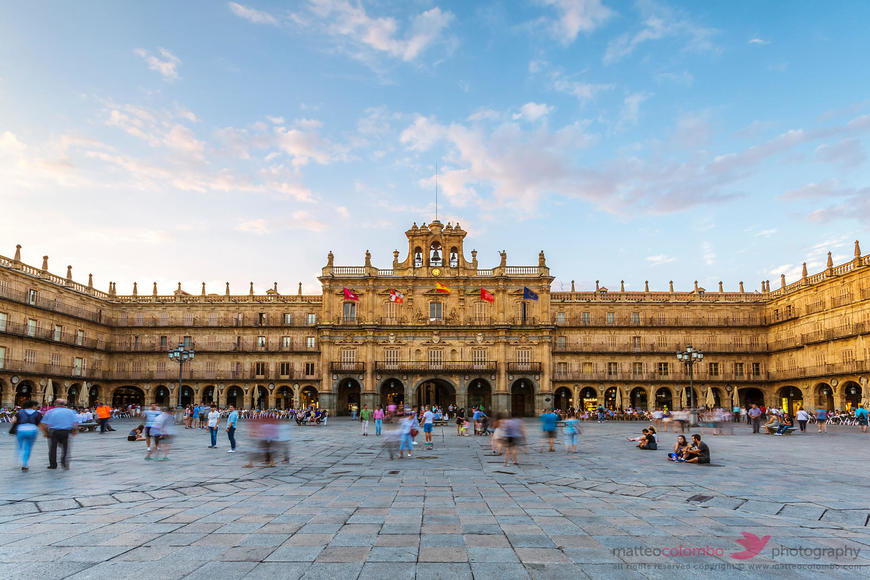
342	509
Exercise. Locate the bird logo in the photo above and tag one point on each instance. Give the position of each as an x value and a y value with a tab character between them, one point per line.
753	544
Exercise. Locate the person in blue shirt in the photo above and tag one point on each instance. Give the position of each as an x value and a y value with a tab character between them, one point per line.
548	426
862	415
150	417
232	423
58	425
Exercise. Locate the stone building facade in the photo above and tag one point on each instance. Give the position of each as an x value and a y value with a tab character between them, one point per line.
423	332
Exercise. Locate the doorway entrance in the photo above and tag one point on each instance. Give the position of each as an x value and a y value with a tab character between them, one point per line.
348	395
434	392
523	398
480	394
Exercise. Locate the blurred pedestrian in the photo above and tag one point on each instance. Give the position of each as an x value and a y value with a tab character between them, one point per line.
25	426
58	425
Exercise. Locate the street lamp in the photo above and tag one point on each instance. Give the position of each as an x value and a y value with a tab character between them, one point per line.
689	357
181	355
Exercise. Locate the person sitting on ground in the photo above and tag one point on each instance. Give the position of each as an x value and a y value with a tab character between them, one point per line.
786	424
136	434
698	452
680	448
648	441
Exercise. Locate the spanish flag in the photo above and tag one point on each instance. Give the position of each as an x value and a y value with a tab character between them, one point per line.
441	288
484	295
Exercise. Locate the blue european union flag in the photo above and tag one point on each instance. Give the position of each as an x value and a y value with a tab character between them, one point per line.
528	294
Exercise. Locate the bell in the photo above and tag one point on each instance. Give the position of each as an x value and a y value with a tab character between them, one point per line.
436	257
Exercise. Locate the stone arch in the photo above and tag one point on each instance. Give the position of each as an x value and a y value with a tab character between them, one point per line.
824	396
209	395
162	396
188	396
522	398
284	397
348	392
72	394
563	399
749	396
790	398
588	398
235	397
435	391
95	393
638	398
479	392
610	398
718	399
127	395
852	394
259	397
664	398
308	395
25	391
392	392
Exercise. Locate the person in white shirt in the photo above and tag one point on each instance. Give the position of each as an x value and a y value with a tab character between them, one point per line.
428	417
214	419
802	418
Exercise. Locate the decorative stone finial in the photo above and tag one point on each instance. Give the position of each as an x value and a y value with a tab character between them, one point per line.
857	249
329	259
203	288
720	287
596	286
178	290
782	280
696	285
45	263
251	290
503	261
135	289
90	280
300	289
69	273
830	262
154	289
228	289
671	286
368	263
622	285
395	258
741	286
542	260
646	285
804	271
17	252
572	285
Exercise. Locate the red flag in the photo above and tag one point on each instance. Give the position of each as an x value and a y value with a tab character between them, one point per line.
348	295
484	295
396	296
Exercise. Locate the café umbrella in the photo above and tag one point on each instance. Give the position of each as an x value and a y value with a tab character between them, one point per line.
49	393
683	402
709	401
618	399
735	398
83	395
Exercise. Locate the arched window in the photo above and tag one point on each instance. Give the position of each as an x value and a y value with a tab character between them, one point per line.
454	257
435	258
418	257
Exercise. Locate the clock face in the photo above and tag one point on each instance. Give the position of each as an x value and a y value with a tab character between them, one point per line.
436	271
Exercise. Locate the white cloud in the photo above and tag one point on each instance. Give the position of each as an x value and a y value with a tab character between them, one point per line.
257	226
709	254
756	40
660	259
484	115
167	66
630	112
351	23
576	16
303	147
298	220
252	14
183	140
765	233
660	22
693	131
846	153
533	111
582	91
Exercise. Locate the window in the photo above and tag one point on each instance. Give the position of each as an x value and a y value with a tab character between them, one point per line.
188	318
478	356
612	369
78	366
312	318
309	343
260	369
587	369
2	357
756	369
58	331
287	318
560	317
55	359
662	341
261	318
738	369
561	342
140	319
436	310
30	356
210	368
238	319
848	355
212	319
663	369
524	357
391	358
635	342
349	311
713	369
31	327
137	366
309	369
286	369
611	317
161	367
391	310
562	369
164	319
585	317
3	319
187	342
261	342
635	317
163	342
120	366
135	343
31	296
80	337
348	355
738	341
637	368
286	342
435	357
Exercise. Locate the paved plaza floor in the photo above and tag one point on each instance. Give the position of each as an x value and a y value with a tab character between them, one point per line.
341	509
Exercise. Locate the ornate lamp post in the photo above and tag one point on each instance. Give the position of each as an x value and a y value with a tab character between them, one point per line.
181	355
689	357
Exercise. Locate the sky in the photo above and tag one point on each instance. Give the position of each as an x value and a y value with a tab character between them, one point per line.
242	141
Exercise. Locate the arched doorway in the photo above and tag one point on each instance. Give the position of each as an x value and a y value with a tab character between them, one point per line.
236	397
309	397
589	398
259	397
24	391
435	392
717	396
392	393
610	398
284	398
824	397
664	398
791	399
348	394
208	395
480	394
523	398
161	396
638	398
94	395
187	396
751	396
852	393
125	396
692	399
562	399
72	395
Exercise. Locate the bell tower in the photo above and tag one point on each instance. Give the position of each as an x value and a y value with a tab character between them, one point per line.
435	249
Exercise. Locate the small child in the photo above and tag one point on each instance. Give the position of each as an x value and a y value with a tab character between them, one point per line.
465	426
391	441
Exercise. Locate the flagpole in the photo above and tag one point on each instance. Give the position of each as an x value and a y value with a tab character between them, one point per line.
436	190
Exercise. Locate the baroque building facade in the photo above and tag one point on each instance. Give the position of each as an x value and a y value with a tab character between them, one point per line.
423	332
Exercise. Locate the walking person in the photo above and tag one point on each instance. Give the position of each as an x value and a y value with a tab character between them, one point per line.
150	416
104	412
365	416
25	426
58	425
232	421
754	415
572	432
460	421
163	429
514	435
863	416
822	419
802	418
214	419
379	420
407	432
549	421
428	423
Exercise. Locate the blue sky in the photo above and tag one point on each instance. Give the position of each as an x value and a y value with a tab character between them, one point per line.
215	141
